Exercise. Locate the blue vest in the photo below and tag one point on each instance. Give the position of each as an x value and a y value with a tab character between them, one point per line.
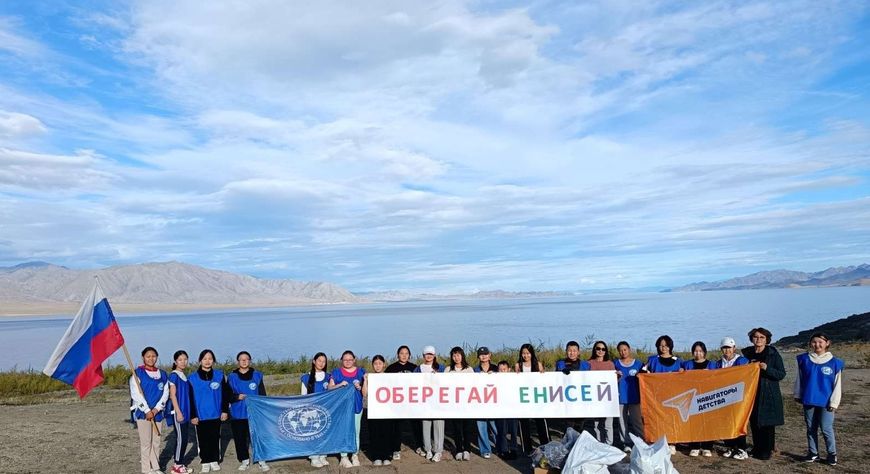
207	395
318	387
654	366
562	363
817	380
239	410
338	377
740	361
182	394
153	390
690	364
629	386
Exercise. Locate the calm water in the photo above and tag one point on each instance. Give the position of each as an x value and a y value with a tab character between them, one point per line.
380	328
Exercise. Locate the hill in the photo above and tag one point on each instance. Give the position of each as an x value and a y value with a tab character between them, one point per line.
834	276
855	328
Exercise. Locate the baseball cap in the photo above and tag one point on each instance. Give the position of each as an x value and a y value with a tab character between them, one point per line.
429	350
483	350
728	342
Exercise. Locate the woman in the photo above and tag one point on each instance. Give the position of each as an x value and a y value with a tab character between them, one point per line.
767	413
528	362
818	387
433	430
734	448
380	431
699	362
463	429
630	421
178	412
484	427
601	428
316	381
149	394
665	361
244	381
403	365
209	406
342	376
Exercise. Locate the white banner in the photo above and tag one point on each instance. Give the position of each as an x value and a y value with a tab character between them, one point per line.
479	396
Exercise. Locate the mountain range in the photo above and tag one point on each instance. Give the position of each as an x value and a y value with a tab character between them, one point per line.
834	276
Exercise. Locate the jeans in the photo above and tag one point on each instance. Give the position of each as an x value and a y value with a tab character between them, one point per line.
630	421
820	417
483	428
505	427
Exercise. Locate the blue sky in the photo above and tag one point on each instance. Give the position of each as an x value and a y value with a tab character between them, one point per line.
438	146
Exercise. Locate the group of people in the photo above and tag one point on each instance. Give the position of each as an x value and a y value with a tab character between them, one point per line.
207	397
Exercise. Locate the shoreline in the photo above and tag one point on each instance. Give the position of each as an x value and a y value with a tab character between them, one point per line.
59	309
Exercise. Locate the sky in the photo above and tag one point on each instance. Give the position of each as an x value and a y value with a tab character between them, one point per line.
447	146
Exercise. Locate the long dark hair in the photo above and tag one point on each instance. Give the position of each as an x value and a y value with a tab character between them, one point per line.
462	362
313	374
668	342
531	350
606	350
702	346
176	356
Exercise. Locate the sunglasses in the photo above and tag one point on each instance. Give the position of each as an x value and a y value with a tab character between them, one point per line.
600	348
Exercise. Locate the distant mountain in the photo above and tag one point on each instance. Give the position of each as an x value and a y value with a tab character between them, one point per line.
398	295
834	276
169	282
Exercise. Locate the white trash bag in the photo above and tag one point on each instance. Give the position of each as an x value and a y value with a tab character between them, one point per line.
651	459
589	456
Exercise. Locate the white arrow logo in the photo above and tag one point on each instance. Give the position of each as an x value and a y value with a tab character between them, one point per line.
690	403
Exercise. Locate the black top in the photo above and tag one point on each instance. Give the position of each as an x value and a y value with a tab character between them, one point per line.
400	368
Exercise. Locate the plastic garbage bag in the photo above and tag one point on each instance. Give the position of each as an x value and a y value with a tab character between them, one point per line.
651	459
589	456
553	454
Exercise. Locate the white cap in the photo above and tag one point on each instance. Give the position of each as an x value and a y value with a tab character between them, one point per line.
728	342
429	350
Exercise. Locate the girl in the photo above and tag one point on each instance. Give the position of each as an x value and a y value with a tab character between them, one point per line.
244	381
463	429
767	413
403	366
600	360
665	361
507	448
734	448
316	381
380	431
178	413
148	404
433	430
818	387
630	421
528	362
699	362
209	406
342	376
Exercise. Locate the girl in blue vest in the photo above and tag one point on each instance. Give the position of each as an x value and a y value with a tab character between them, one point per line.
244	381
699	362
350	374
630	421
665	361
148	404
734	448
818	387
178	411
316	381
209	405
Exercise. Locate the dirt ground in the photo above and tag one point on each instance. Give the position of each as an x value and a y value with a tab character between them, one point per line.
58	433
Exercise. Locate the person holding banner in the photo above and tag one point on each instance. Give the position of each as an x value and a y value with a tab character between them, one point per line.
506	426
148	404
734	448
572	363
404	366
528	362
818	387
178	412
699	362
433	430
665	361
244	381
342	376
767	413
485	366
380	431
463	428
630	419
601	428
209	406
316	381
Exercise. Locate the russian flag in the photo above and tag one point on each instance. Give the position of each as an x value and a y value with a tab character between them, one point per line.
90	339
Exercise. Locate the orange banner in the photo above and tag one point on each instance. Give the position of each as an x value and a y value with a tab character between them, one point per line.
698	405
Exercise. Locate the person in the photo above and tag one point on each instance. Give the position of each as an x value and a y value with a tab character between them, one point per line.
244	381
350	374
209	406
178	411
734	448
699	362
630	420
818	387
601	428
528	362
403	365
380	431
767	413
485	366
433	430
572	363
463	428
149	396
316	381
506	448
665	360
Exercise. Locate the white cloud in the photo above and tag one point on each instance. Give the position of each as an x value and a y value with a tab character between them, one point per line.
16	125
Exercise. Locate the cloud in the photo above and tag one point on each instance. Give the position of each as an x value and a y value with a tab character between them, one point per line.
15	125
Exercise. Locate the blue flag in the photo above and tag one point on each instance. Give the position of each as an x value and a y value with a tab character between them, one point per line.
289	427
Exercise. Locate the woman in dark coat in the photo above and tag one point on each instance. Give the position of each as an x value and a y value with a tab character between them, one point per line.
767	413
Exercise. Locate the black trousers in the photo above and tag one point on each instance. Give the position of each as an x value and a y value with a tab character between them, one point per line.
241	438
380	440
208	437
736	443
416	430
526	428
464	432
763	437
181	436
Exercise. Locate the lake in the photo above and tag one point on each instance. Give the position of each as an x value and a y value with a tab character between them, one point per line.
368	329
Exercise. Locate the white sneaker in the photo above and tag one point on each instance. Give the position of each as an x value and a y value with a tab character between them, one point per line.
487	455
345	463
740	455
206	467
423	453
263	466
397	455
706	453
436	457
245	465
387	462
728	453
315	461
694	453
458	456
378	462
323	460
627	449
672	449
215	466
466	456
354	459
429	455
